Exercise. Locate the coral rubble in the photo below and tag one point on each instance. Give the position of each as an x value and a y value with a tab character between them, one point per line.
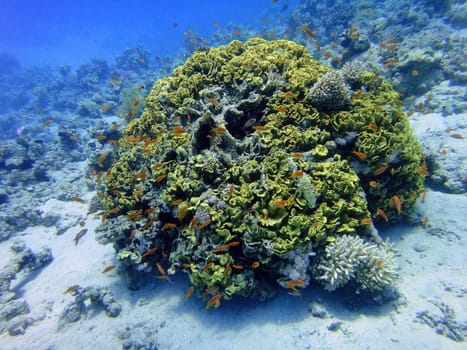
14	311
96	296
250	161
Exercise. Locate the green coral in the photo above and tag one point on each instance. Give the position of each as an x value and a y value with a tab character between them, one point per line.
238	179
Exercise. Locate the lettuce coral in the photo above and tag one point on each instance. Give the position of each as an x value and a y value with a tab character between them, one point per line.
238	177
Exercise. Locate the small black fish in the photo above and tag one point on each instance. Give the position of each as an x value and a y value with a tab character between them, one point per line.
80	235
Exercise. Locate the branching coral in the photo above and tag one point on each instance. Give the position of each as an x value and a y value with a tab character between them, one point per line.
351	259
241	167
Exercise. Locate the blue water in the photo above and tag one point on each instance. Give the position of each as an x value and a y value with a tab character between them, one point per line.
70	32
62	63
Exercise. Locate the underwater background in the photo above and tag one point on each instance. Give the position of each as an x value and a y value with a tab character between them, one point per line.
233	174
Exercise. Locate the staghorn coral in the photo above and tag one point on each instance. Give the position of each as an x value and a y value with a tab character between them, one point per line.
351	259
237	178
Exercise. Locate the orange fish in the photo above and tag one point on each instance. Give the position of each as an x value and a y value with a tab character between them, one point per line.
140	59
292	284
237	32
193	222
101	158
105	108
360	155
378	263
457	136
308	31
280	203
290	94
372	127
150	251
415	73
395	202
178	130
259	127
297	155
182	211
381	213
392	46
73	137
381	170
205	224
207	266
297	173
225	246
78	199
189	292
425	220
281	109
366	221
113	210
422	170
150	210
135	214
48	122
255	264
101	137
373	184
103	215
226	271
160	269
214	101
71	289
400	102
218	131
109	268
214	301
157	165
159	178
168	226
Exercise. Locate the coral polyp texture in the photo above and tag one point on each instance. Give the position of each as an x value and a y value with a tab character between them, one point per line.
249	161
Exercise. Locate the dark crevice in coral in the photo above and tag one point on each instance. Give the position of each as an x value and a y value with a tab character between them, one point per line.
201	136
235	121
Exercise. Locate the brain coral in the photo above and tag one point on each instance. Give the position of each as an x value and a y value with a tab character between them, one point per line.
235	177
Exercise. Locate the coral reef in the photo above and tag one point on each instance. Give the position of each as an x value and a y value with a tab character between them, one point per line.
351	259
239	171
89	75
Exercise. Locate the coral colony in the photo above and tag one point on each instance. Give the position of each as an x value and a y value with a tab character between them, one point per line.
254	166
